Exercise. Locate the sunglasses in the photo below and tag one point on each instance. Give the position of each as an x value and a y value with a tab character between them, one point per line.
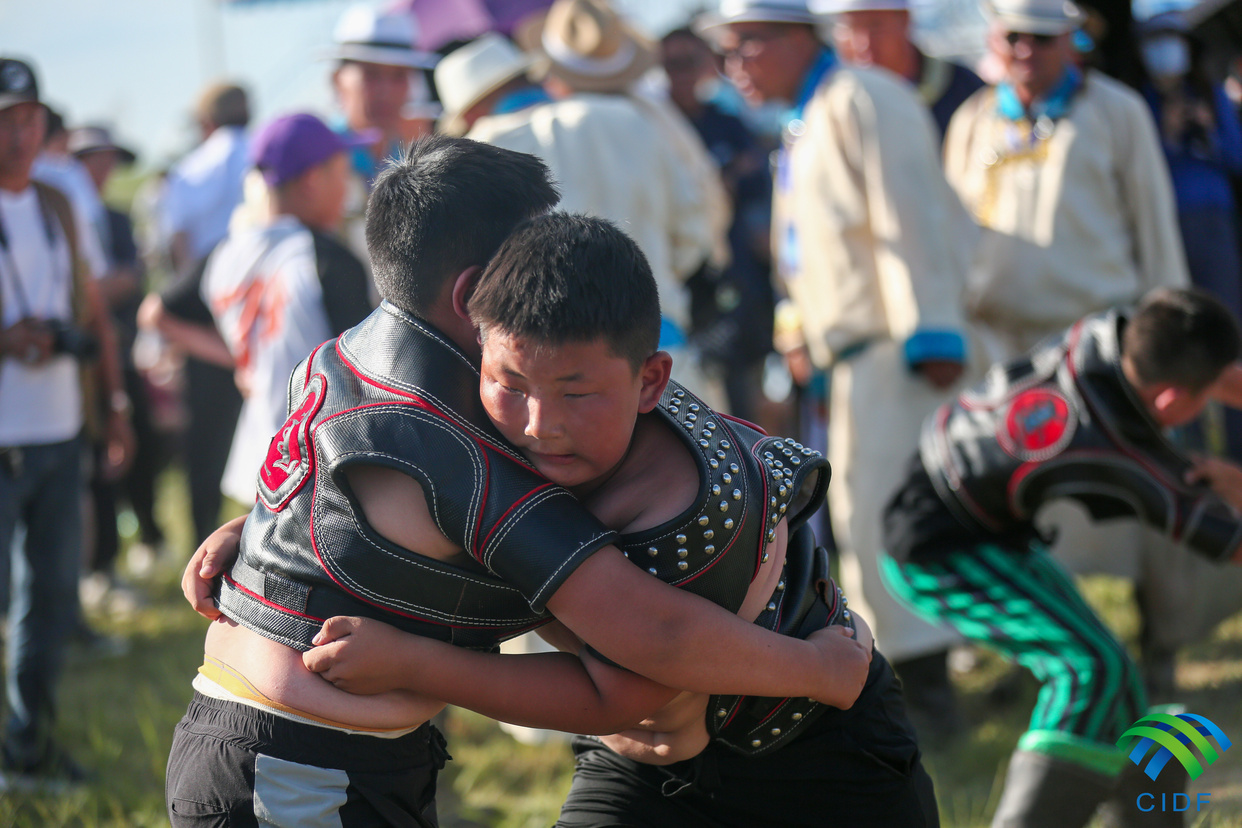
1014	38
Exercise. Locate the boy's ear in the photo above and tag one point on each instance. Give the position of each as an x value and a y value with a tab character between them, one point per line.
655	373
1166	398
463	289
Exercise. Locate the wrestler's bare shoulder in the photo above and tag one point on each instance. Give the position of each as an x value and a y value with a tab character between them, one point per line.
276	672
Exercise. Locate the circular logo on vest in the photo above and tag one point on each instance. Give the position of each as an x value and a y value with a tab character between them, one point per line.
1038	425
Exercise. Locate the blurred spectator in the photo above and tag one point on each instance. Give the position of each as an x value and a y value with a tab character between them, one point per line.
376	66
873	247
205	186
121	288
877	33
53	322
1202	140
488	77
57	168
1064	173
197	202
279	290
621	156
732	313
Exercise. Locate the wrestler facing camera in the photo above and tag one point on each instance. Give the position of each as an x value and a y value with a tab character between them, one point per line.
387	425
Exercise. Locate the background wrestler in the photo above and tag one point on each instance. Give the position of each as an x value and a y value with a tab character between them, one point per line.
434	217
962	557
569	320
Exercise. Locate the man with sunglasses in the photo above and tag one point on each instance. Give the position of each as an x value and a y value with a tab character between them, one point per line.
872	247
1062	169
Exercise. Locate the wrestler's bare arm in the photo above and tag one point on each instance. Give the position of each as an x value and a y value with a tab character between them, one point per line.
674	638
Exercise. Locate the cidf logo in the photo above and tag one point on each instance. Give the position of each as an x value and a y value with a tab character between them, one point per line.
1174	734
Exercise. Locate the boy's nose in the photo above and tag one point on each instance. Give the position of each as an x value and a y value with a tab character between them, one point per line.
541	421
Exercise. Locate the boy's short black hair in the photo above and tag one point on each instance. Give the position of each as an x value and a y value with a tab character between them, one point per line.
571	278
443	207
1181	337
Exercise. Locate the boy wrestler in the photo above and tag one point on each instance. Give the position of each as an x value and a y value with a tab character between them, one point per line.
1080	416
392	408
568	317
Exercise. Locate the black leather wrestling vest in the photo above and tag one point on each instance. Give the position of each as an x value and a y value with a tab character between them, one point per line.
748	483
1064	422
395	392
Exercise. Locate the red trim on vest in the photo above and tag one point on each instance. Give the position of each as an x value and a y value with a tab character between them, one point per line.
746	423
256	596
457	421
508	512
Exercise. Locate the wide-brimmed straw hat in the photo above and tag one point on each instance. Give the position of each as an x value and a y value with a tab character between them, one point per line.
592	49
1040	17
468	75
366	35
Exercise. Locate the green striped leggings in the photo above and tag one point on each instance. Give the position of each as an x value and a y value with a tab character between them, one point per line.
1025	605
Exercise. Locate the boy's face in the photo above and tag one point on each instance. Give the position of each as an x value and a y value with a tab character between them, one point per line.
569	408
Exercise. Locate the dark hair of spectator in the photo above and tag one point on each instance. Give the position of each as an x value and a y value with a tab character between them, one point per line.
443	207
55	124
1183	338
683	31
571	278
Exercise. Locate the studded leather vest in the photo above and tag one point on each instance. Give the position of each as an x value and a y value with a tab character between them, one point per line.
394	392
1064	422
749	482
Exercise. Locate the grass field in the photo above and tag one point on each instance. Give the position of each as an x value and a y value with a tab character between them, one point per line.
117	715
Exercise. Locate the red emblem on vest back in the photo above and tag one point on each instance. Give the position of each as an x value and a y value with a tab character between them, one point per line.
290	455
1038	425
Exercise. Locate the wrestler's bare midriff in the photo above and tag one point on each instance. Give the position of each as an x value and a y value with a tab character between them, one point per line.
277	672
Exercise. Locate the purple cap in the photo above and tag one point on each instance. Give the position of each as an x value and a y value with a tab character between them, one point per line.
290	145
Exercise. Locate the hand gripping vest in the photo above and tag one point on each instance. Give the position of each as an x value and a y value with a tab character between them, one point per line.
749	482
1064	422
394	392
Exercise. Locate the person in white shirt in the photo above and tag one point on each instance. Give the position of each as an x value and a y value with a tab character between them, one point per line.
205	186
52	323
280	290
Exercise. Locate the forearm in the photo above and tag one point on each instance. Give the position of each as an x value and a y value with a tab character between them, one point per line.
681	640
559	691
202	342
108	367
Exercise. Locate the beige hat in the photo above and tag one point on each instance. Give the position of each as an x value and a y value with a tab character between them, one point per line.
468	75
1046	17
592	49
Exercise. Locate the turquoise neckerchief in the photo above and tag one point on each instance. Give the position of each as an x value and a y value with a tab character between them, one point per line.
521	99
1054	106
360	158
825	63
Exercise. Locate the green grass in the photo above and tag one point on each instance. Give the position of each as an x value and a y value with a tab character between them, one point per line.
117	715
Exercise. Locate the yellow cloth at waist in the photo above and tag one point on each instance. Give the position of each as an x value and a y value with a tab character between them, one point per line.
240	689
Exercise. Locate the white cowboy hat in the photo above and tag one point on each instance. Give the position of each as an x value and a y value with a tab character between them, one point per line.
469	74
